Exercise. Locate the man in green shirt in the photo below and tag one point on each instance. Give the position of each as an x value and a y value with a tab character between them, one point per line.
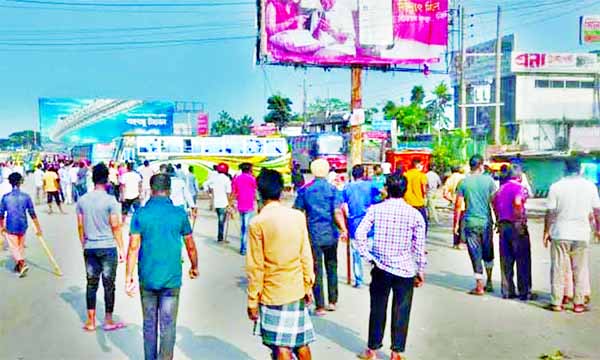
155	244
473	198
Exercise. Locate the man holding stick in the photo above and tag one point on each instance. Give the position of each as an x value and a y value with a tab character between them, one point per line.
102	242
14	207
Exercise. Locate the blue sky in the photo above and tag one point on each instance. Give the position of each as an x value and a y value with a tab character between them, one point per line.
221	74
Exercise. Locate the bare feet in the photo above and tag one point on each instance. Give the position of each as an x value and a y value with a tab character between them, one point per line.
89	326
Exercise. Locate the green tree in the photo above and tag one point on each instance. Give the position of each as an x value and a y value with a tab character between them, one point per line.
417	95
228	125
280	111
323	107
450	151
26	139
436	109
411	118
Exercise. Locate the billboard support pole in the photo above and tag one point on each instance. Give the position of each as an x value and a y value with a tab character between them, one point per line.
355	141
498	78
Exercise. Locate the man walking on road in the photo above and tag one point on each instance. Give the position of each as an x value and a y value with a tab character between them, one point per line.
473	198
38	180
515	246
244	191
14	207
321	203
358	196
155	245
102	242
280	272
571	202
131	190
146	172
417	188
434	182
220	185
52	189
449	193
398	257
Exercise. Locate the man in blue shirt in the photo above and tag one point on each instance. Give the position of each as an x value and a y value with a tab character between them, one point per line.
14	207
321	203
155	244
358	196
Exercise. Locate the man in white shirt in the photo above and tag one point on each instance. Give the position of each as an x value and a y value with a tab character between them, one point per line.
147	173
38	180
131	189
571	203
220	185
73	170
66	189
434	182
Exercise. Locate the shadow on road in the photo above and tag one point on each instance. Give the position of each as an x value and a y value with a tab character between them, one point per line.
207	347
457	282
341	335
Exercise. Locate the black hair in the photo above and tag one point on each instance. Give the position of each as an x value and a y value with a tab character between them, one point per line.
191	168
129	166
15	179
170	170
146	163
573	165
475	162
246	167
358	171
160	182
178	166
396	186
376	167
416	161
100	174
455	169
270	184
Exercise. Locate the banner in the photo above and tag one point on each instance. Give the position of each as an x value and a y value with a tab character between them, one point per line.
202	124
85	121
353	32
555	62
589	29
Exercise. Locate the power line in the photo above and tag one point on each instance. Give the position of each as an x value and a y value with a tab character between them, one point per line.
100	4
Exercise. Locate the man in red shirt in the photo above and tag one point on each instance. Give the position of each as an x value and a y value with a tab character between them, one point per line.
244	191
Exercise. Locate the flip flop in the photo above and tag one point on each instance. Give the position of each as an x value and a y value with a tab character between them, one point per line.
113	327
86	329
476	293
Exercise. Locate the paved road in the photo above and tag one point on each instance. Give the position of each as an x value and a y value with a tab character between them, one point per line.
41	316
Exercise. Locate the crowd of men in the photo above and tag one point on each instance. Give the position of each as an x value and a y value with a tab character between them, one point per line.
291	253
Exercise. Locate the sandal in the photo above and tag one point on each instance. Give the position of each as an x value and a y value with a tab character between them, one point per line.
113	327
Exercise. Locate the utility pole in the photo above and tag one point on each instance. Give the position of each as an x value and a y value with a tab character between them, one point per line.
498	78
463	58
356	144
304	107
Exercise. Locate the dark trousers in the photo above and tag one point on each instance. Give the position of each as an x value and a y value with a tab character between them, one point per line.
327	254
459	238
159	309
423	211
101	262
381	284
481	247
515	247
221	218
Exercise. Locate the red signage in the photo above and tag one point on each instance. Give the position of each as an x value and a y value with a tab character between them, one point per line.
264	130
202	124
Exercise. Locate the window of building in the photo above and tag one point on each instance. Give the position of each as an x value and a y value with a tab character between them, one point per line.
572	84
587	84
542	84
557	84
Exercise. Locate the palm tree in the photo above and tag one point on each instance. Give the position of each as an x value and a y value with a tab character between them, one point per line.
436	108
417	95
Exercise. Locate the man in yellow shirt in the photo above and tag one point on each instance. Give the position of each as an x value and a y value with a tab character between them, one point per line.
279	265
51	188
417	188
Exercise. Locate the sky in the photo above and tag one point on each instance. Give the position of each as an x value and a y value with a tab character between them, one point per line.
222	74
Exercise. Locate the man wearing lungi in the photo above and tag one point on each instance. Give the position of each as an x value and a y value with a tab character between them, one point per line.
279	265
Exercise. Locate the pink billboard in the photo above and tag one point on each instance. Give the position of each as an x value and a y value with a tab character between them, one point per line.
353	32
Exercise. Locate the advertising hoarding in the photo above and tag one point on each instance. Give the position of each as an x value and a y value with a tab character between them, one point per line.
70	121
589	29
371	33
202	124
555	62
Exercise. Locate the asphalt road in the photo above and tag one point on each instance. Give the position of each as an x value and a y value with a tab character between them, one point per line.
41	315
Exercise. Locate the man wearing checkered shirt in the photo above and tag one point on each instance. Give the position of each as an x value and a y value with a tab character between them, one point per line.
398	258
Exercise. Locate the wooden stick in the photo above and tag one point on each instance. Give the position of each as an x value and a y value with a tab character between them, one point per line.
57	270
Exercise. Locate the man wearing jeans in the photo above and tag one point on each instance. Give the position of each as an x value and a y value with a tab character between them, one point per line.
220	184
571	202
473	198
358	196
398	257
244	191
321	203
100	235
155	245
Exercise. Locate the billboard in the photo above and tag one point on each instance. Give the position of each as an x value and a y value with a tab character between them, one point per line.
372	33
68	121
589	29
202	128
554	62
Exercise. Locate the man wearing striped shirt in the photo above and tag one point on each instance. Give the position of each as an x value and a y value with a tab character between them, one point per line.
398	256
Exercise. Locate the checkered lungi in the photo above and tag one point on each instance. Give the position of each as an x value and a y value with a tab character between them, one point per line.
286	325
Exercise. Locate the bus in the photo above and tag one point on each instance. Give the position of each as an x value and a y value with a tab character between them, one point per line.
330	146
93	153
203	153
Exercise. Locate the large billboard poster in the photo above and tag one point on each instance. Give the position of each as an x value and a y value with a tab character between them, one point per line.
69	121
589	29
555	62
374	33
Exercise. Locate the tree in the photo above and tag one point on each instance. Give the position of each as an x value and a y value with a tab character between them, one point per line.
324	107
410	118
417	95
280	111
436	108
228	125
